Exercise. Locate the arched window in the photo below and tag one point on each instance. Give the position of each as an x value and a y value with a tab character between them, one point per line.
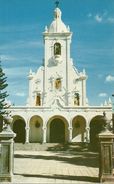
76	99
58	83
57	48
38	100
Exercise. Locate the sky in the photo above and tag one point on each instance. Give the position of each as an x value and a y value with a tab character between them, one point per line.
21	43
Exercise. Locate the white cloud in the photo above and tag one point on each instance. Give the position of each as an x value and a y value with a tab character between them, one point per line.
102	95
20	44
100	76
101	17
16	71
110	19
89	15
105	13
19	28
21	94
98	18
7	58
109	78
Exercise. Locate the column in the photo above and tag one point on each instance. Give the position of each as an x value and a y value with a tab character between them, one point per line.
70	134
87	134
68	41
46	57
67	68
44	134
27	134
83	90
44	78
30	77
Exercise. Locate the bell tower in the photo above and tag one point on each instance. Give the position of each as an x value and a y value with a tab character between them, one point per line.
58	83
57	40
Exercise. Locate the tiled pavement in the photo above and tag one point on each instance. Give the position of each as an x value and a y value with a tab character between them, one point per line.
55	167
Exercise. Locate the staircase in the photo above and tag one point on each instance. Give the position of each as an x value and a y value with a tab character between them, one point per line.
34	146
50	147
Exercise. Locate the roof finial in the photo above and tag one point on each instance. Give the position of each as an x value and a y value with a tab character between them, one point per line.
57	3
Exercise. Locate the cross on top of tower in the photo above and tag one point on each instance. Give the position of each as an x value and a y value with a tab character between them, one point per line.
57	3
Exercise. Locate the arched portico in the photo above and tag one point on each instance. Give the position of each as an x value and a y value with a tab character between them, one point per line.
57	130
18	127
96	126
79	129
35	130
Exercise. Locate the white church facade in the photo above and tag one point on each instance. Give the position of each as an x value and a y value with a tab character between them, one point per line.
57	108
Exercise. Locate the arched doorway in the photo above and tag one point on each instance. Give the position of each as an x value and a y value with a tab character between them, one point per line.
57	131
96	126
79	126
36	132
19	129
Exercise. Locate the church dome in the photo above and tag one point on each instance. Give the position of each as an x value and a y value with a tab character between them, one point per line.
57	26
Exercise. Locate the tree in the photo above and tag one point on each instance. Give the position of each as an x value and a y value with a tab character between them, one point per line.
3	95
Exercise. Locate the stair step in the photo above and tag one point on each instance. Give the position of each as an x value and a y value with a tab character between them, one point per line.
49	146
35	146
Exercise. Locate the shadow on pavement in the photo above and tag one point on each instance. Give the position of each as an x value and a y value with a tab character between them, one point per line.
63	177
75	154
69	147
88	160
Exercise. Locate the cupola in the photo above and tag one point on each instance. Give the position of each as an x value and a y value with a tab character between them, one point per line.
57	25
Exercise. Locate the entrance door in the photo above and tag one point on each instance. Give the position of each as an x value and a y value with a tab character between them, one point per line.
57	131
19	129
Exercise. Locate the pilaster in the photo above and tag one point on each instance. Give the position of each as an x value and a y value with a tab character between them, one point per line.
83	91
30	77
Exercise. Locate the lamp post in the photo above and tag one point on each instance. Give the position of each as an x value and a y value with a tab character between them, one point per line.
113	114
113	127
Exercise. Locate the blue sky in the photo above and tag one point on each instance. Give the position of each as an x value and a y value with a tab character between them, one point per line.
21	44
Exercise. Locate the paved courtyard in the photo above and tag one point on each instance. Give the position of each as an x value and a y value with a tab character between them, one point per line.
55	167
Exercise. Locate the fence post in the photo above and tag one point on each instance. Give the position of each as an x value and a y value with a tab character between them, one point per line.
7	154
106	161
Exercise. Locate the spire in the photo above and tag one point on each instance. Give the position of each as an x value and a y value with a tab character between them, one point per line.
30	76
